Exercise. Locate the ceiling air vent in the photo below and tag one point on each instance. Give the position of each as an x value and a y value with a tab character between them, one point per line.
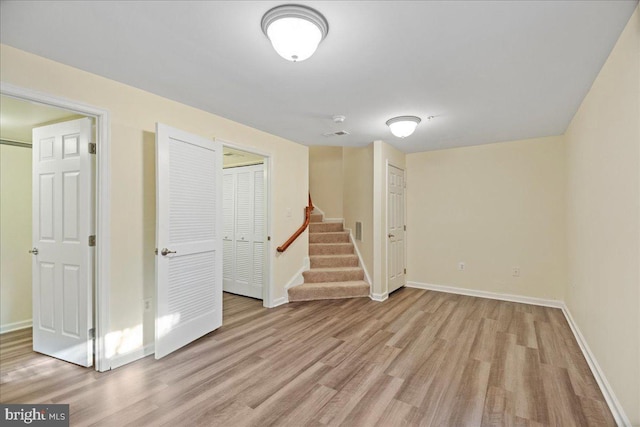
338	133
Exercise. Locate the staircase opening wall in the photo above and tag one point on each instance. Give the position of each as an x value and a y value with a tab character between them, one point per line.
326	180
358	198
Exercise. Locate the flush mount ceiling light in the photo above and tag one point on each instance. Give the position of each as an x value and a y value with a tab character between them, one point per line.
294	31
403	126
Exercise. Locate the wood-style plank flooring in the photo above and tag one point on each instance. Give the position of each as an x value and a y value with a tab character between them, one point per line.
420	358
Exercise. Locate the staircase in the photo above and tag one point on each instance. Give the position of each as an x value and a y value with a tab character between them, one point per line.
334	272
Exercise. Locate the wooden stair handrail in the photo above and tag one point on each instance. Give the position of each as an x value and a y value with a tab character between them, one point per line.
299	231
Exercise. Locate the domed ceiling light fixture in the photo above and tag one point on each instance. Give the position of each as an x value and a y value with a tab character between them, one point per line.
295	31
403	126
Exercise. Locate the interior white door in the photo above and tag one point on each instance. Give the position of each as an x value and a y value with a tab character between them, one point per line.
395	229
62	258
244	231
188	228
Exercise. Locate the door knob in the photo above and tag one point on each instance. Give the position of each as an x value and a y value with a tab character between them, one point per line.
34	251
166	252
391	236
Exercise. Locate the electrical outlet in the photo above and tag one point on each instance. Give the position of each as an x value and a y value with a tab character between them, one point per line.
461	266
147	304
515	272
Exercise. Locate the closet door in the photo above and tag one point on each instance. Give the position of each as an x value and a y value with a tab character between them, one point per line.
244	230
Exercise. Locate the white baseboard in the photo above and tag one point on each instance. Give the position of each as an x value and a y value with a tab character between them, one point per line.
379	297
15	326
279	301
132	356
487	294
614	404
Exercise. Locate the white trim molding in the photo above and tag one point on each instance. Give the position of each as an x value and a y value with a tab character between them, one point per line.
487	294
612	402
15	326
103	205
279	301
379	297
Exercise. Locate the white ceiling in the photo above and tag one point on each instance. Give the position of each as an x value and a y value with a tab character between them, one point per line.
489	71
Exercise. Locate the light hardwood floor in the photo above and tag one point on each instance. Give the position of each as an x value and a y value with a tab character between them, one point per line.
419	358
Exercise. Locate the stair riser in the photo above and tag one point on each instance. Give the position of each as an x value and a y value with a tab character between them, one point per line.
336	249
315	218
335	261
332	276
328	238
324	227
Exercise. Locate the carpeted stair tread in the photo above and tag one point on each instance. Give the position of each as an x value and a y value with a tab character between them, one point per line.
329	290
331	237
326	261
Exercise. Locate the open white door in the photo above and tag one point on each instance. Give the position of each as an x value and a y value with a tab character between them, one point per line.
62	254
395	227
188	227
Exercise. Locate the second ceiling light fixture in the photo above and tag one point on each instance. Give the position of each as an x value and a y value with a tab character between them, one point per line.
295	31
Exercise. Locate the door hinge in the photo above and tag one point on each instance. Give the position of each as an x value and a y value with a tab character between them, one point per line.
92	148
92	240
405	271
405	228
92	333
156	251
268	238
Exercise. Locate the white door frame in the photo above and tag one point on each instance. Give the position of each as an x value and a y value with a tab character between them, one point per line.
102	270
386	220
267	290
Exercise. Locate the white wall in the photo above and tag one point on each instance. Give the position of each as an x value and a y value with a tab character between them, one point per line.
326	180
493	207
133	115
358	198
15	237
603	217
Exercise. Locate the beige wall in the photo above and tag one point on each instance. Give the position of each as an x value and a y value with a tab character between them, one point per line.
325	180
383	155
493	207
15	236
603	217
133	115
358	198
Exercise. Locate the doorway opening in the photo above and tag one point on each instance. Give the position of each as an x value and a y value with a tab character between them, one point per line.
21	111
246	241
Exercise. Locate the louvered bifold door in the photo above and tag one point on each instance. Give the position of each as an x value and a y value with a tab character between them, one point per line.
244	230
189	238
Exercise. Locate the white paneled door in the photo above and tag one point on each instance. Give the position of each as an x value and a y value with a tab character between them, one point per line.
62	256
188	235
244	230
395	228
